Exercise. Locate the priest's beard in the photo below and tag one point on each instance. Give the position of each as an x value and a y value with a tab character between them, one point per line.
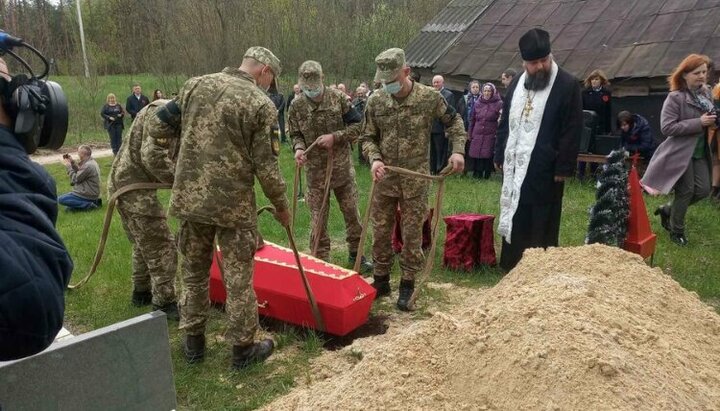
537	81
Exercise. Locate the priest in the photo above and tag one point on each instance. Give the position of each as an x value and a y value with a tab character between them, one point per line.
536	149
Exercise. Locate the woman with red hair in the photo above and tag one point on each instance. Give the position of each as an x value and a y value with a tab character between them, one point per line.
682	162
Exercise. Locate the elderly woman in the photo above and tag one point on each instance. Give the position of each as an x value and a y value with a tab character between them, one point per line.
482	129
112	114
682	162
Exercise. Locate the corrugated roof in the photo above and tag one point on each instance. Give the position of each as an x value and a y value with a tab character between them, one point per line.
442	31
626	38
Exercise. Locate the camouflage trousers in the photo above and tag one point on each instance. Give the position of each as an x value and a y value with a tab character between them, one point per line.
414	211
347	198
154	260
238	250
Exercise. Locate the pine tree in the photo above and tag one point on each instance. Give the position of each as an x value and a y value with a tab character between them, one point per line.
608	217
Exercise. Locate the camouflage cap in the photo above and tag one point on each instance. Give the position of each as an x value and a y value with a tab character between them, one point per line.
266	57
389	63
310	75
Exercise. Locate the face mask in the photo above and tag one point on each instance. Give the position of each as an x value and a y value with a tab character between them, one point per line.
392	88
310	93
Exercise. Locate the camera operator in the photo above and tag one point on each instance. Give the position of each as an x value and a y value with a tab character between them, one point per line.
36	267
85	179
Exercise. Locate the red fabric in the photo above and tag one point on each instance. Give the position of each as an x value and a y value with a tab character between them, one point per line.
469	241
343	297
397	242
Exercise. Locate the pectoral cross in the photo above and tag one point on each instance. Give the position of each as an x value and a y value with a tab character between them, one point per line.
527	110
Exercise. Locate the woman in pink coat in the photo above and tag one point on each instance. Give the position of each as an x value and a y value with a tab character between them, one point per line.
481	133
682	162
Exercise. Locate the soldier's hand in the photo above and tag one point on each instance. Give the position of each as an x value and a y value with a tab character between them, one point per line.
300	158
458	162
498	166
377	170
283	217
326	141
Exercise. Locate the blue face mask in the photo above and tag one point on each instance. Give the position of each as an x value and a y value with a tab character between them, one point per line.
392	88
310	93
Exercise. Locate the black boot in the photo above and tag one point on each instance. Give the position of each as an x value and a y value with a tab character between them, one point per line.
664	213
679	239
382	285
366	267
141	298
405	292
194	348
170	310
258	352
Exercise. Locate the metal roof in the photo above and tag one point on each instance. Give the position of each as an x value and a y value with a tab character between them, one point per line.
442	31
625	38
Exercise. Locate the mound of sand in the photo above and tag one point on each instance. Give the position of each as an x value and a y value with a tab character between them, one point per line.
589	327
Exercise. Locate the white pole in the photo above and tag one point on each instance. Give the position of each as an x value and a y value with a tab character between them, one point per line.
82	39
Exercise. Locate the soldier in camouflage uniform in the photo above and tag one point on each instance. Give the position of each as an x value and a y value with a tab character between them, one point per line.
226	142
327	115
396	132
144	158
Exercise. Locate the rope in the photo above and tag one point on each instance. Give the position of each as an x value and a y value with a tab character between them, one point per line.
106	225
425	273
326	196
308	291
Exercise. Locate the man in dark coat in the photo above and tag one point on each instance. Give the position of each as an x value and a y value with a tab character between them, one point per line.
537	145
136	101
279	100
36	266
439	151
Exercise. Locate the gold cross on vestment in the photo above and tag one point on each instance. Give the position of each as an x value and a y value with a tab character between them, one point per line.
527	110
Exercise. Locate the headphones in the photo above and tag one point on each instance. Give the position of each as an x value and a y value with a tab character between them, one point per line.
37	106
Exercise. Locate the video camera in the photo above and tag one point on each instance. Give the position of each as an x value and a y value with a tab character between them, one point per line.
37	106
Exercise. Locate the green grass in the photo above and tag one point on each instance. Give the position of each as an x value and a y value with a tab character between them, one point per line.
211	385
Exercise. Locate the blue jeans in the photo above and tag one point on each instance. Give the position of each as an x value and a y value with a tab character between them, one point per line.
74	202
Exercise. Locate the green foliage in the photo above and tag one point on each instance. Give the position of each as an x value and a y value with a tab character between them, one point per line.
211	385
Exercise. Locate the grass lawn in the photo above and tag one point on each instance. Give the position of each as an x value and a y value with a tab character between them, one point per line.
211	385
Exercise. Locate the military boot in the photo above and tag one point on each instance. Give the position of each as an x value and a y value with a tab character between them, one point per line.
366	267
194	348
404	293
141	298
382	285
170	310
242	356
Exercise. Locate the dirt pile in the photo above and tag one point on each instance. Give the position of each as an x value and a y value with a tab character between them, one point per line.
576	328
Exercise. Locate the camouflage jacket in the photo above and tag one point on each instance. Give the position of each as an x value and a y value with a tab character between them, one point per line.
143	158
334	115
398	134
225	142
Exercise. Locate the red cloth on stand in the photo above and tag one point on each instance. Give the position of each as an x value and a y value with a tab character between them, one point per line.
469	241
397	242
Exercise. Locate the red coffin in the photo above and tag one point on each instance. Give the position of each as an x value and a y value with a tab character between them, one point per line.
343	297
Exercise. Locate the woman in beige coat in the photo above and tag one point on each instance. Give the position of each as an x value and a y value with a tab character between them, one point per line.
682	162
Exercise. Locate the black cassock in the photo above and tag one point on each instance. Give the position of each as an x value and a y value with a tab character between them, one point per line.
536	222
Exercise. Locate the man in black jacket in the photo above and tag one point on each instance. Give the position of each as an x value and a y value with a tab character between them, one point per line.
536	148
36	267
439	147
136	101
